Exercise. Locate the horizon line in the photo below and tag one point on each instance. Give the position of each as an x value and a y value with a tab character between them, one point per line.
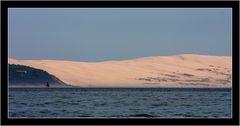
187	54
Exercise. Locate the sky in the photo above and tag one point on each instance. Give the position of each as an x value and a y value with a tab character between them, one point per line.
116	34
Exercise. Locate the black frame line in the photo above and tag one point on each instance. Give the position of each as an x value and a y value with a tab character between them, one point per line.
119	4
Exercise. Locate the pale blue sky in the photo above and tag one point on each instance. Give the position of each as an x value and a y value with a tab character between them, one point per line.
116	34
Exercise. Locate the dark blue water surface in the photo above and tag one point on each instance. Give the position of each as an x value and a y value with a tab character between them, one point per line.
119	102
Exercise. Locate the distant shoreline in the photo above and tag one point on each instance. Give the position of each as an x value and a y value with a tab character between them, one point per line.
73	87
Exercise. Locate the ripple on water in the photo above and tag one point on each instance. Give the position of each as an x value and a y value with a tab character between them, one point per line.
141	115
119	103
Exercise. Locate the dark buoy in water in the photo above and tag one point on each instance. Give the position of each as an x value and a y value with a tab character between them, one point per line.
47	85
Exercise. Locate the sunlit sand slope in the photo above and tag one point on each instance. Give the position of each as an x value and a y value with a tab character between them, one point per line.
157	71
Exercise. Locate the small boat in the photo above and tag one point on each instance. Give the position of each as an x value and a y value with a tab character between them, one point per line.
47	85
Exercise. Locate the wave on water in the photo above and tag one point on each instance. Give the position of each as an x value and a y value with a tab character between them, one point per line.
107	103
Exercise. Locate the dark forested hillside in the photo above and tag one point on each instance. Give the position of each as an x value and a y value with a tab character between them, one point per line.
24	75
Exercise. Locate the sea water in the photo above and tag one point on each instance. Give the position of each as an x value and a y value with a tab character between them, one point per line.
120	102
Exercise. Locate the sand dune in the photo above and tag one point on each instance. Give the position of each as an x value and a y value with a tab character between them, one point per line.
157	71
